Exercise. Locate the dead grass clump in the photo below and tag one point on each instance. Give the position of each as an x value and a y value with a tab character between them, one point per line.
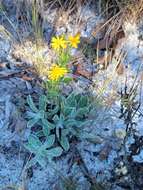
39	56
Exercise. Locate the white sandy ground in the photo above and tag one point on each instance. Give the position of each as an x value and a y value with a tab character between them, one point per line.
106	126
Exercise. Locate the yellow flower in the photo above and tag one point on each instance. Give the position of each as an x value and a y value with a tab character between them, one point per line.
74	40
56	72
58	43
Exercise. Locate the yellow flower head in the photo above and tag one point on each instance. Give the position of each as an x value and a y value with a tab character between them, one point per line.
74	40
58	43
56	72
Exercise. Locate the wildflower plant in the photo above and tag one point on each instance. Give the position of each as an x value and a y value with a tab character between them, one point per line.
62	46
56	119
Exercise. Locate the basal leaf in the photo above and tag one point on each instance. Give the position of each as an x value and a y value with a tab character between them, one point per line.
71	101
42	102
64	143
34	141
83	101
73	113
70	122
47	127
50	141
33	144
67	110
47	124
52	112
39	133
65	132
31	104
46	130
30	114
32	122
54	152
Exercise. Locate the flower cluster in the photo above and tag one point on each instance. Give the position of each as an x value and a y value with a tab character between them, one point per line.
62	46
61	43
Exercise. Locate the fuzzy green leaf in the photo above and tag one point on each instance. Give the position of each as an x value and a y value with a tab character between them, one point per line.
31	104
42	102
46	130
34	140
67	80
71	122
67	110
71	101
73	113
39	133
32	122
65	132
33	144
48	124
30	114
49	142
52	112
83	101
64	143
54	152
